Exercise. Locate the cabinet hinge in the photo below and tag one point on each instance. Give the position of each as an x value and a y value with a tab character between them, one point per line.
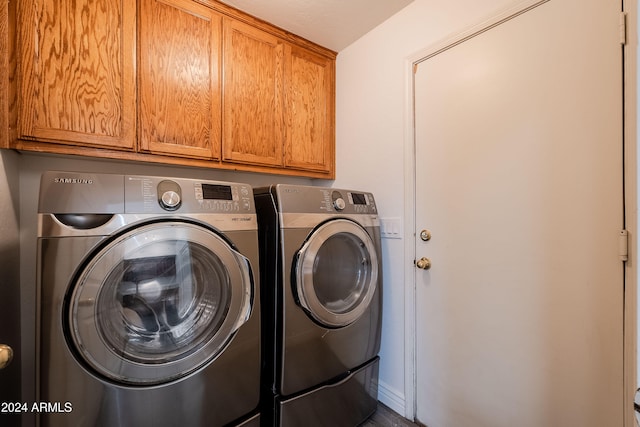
623	28
623	245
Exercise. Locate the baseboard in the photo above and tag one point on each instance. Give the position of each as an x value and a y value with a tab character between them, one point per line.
391	397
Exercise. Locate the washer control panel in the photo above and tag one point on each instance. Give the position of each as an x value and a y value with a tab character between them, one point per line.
152	195
224	197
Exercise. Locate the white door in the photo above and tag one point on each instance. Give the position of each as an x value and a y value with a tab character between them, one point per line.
519	179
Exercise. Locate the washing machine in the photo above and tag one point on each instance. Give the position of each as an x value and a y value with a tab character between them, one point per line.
148	302
322	304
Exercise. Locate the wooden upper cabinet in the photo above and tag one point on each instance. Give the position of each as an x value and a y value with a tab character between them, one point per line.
179	85
190	82
253	96
310	105
76	72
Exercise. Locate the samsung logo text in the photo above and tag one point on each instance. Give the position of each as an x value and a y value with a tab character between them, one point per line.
73	181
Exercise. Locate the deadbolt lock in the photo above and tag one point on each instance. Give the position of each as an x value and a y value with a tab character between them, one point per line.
425	235
423	263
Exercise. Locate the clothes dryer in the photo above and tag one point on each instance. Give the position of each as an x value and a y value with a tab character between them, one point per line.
148	301
322	304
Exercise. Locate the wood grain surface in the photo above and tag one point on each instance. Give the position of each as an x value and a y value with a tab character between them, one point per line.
310	106
179	86
77	77
194	83
253	95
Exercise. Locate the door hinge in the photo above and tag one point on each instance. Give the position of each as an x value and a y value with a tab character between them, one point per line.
623	28
623	245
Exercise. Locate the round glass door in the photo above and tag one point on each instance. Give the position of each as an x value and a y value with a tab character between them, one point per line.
158	303
337	273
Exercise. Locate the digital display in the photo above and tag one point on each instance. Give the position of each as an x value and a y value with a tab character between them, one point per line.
358	199
216	192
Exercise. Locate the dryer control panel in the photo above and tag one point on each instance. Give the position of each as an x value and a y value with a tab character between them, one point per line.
350	202
307	199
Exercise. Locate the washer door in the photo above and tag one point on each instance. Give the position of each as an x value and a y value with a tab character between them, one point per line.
158	303
337	273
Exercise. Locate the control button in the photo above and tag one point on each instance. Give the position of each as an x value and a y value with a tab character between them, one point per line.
198	192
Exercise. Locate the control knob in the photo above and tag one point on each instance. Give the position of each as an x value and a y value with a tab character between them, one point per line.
338	202
170	195
170	200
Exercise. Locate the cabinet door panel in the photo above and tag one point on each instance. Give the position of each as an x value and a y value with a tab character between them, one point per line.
309	111
179	86
253	96
77	78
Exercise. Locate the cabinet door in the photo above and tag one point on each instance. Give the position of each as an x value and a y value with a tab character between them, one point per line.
179	85
310	134
76	72
253	96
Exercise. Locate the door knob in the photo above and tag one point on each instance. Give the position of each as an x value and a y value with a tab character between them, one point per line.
6	355
423	263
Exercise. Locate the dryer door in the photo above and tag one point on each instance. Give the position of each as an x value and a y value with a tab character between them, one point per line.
158	303
337	273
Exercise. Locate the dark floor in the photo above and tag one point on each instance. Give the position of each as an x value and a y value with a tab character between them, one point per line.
385	417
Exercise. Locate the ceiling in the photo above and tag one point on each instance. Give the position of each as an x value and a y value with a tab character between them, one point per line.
334	24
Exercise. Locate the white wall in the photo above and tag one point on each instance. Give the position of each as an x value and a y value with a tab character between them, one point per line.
371	139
